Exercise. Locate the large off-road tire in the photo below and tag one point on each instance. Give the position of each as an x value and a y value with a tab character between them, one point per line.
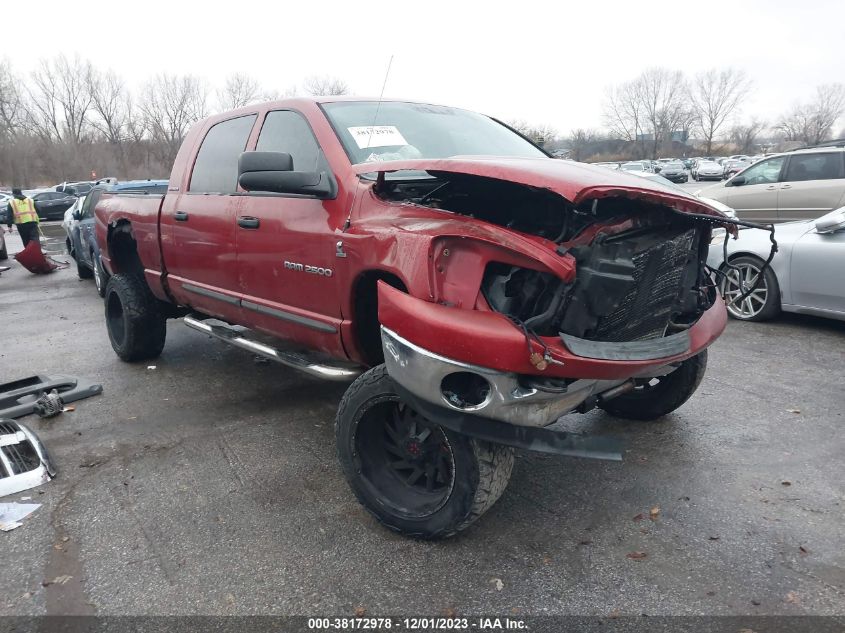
134	318
415	477
100	275
656	397
760	305
82	269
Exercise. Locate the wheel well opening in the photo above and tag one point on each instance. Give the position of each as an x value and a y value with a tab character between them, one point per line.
124	250
365	307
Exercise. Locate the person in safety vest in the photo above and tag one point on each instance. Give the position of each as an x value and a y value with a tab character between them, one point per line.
22	214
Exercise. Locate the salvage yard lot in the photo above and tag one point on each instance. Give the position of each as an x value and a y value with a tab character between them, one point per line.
208	483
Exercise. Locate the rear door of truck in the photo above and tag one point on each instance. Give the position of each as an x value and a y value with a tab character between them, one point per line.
199	223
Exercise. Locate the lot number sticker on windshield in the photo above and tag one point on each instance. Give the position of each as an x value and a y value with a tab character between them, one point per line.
376	136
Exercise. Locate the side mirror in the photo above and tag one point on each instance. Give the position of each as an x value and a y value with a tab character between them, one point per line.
832	222
737	181
273	172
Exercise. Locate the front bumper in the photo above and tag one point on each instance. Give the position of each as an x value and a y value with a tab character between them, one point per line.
422	373
425	342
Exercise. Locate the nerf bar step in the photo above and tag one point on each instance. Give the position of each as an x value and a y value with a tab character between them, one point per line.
239	337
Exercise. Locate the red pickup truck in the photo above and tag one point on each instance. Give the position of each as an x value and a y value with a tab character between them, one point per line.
473	288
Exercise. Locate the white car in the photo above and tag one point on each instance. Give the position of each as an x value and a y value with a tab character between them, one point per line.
805	275
707	170
69	224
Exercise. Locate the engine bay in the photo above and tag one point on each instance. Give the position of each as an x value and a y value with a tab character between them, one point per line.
640	266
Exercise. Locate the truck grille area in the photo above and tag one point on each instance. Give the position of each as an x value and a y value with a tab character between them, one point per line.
645	309
628	287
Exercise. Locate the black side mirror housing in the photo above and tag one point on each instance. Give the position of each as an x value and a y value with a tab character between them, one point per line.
737	181
273	172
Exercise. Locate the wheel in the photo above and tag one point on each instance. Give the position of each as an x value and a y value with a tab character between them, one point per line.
82	269
100	275
653	398
414	476
760	305
134	319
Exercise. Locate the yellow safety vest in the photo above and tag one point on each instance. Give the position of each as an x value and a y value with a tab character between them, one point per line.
24	210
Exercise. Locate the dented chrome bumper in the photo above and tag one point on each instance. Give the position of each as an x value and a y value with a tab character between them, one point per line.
507	399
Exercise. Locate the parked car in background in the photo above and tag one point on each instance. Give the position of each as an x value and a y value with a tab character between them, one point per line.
86	251
77	188
70	225
798	185
708	170
733	167
633	166
51	205
805	274
674	171
608	165
668	183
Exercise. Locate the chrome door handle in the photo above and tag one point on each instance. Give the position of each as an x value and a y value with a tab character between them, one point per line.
246	222
770	187
787	187
180	216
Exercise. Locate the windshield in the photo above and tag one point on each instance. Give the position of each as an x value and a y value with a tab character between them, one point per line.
370	132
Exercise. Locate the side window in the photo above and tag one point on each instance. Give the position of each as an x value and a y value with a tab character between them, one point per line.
216	167
90	203
821	166
764	172
287	131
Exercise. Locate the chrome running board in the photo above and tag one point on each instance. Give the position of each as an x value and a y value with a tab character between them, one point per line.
239	337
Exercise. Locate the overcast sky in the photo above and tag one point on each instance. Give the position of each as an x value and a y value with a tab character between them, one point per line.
546	63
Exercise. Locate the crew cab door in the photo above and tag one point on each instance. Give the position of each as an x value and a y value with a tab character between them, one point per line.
198	226
286	247
812	185
757	198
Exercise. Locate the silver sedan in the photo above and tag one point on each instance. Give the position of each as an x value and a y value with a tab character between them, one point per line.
807	274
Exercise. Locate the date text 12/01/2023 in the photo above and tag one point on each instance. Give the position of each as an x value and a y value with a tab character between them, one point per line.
416	624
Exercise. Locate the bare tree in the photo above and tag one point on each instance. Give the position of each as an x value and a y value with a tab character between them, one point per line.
715	96
60	99
239	90
662	96
811	123
109	105
744	135
324	85
578	142
11	110
169	105
648	109
623	112
541	134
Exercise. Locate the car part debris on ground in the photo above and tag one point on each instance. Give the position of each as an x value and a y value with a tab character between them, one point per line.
49	404
11	514
24	460
19	397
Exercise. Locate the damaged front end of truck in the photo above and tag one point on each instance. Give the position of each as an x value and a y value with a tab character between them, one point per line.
561	292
